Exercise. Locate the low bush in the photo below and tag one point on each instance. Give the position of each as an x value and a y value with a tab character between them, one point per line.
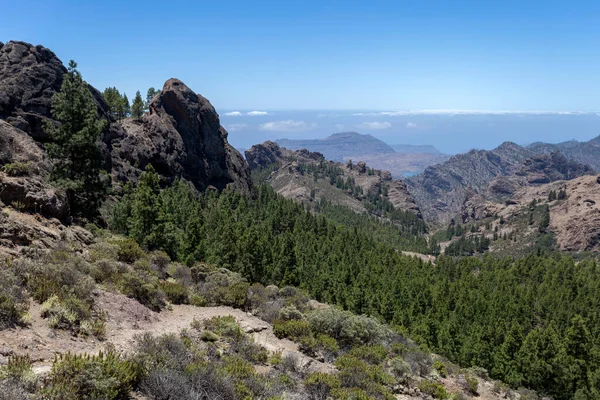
373	354
319	385
144	288
347	328
440	367
400	368
433	388
17	168
175	292
292	329
129	250
13	301
105	376
224	287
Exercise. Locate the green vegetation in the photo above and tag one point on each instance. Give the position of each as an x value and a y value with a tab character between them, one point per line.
474	311
137	107
78	163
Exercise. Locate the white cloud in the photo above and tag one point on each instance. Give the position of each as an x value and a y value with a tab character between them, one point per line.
339	127
288	126
411	125
236	127
256	113
374	125
465	112
329	115
234	114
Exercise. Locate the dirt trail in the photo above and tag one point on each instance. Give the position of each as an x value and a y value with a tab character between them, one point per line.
127	319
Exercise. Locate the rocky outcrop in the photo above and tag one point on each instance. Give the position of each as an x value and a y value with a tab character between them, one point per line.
29	77
181	136
268	153
34	195
546	168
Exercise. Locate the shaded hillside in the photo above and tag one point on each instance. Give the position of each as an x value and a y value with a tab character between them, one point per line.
339	145
581	152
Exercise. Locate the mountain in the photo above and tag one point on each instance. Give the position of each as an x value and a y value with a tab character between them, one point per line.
401	165
308	177
411	149
581	152
441	190
339	145
181	136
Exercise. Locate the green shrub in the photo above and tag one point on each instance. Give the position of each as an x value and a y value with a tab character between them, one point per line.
356	373
468	382
129	250
347	328
17	168
400	368
105	376
320	344
440	367
13	301
319	385
224	287
292	329
175	292
373	354
434	389
224	326
209	336
144	288
197	300
289	313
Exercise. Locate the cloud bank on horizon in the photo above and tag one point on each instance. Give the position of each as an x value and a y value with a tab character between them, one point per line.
451	131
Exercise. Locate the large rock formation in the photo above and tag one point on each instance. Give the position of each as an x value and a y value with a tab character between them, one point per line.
181	136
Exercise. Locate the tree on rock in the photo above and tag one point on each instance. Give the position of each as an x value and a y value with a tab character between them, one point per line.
75	151
150	95
137	108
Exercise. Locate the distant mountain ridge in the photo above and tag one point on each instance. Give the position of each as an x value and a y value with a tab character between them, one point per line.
339	145
582	152
441	190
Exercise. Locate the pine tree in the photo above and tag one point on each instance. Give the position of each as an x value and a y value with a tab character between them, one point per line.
126	106
137	108
74	150
113	100
150	95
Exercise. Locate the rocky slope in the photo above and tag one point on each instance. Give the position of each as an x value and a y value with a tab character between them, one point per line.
181	136
290	179
442	190
581	152
339	145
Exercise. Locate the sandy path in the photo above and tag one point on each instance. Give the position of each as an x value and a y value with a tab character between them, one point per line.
127	319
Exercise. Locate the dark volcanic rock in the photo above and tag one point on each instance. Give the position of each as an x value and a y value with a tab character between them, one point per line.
29	76
545	168
182	137
268	153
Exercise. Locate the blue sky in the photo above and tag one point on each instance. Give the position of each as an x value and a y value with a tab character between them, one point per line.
286	57
378	55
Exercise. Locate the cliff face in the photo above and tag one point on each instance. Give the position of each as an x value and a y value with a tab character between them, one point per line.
442	190
181	136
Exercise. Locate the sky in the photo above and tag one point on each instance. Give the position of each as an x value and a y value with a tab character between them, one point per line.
330	55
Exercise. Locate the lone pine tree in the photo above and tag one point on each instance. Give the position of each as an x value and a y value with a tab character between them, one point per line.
77	158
